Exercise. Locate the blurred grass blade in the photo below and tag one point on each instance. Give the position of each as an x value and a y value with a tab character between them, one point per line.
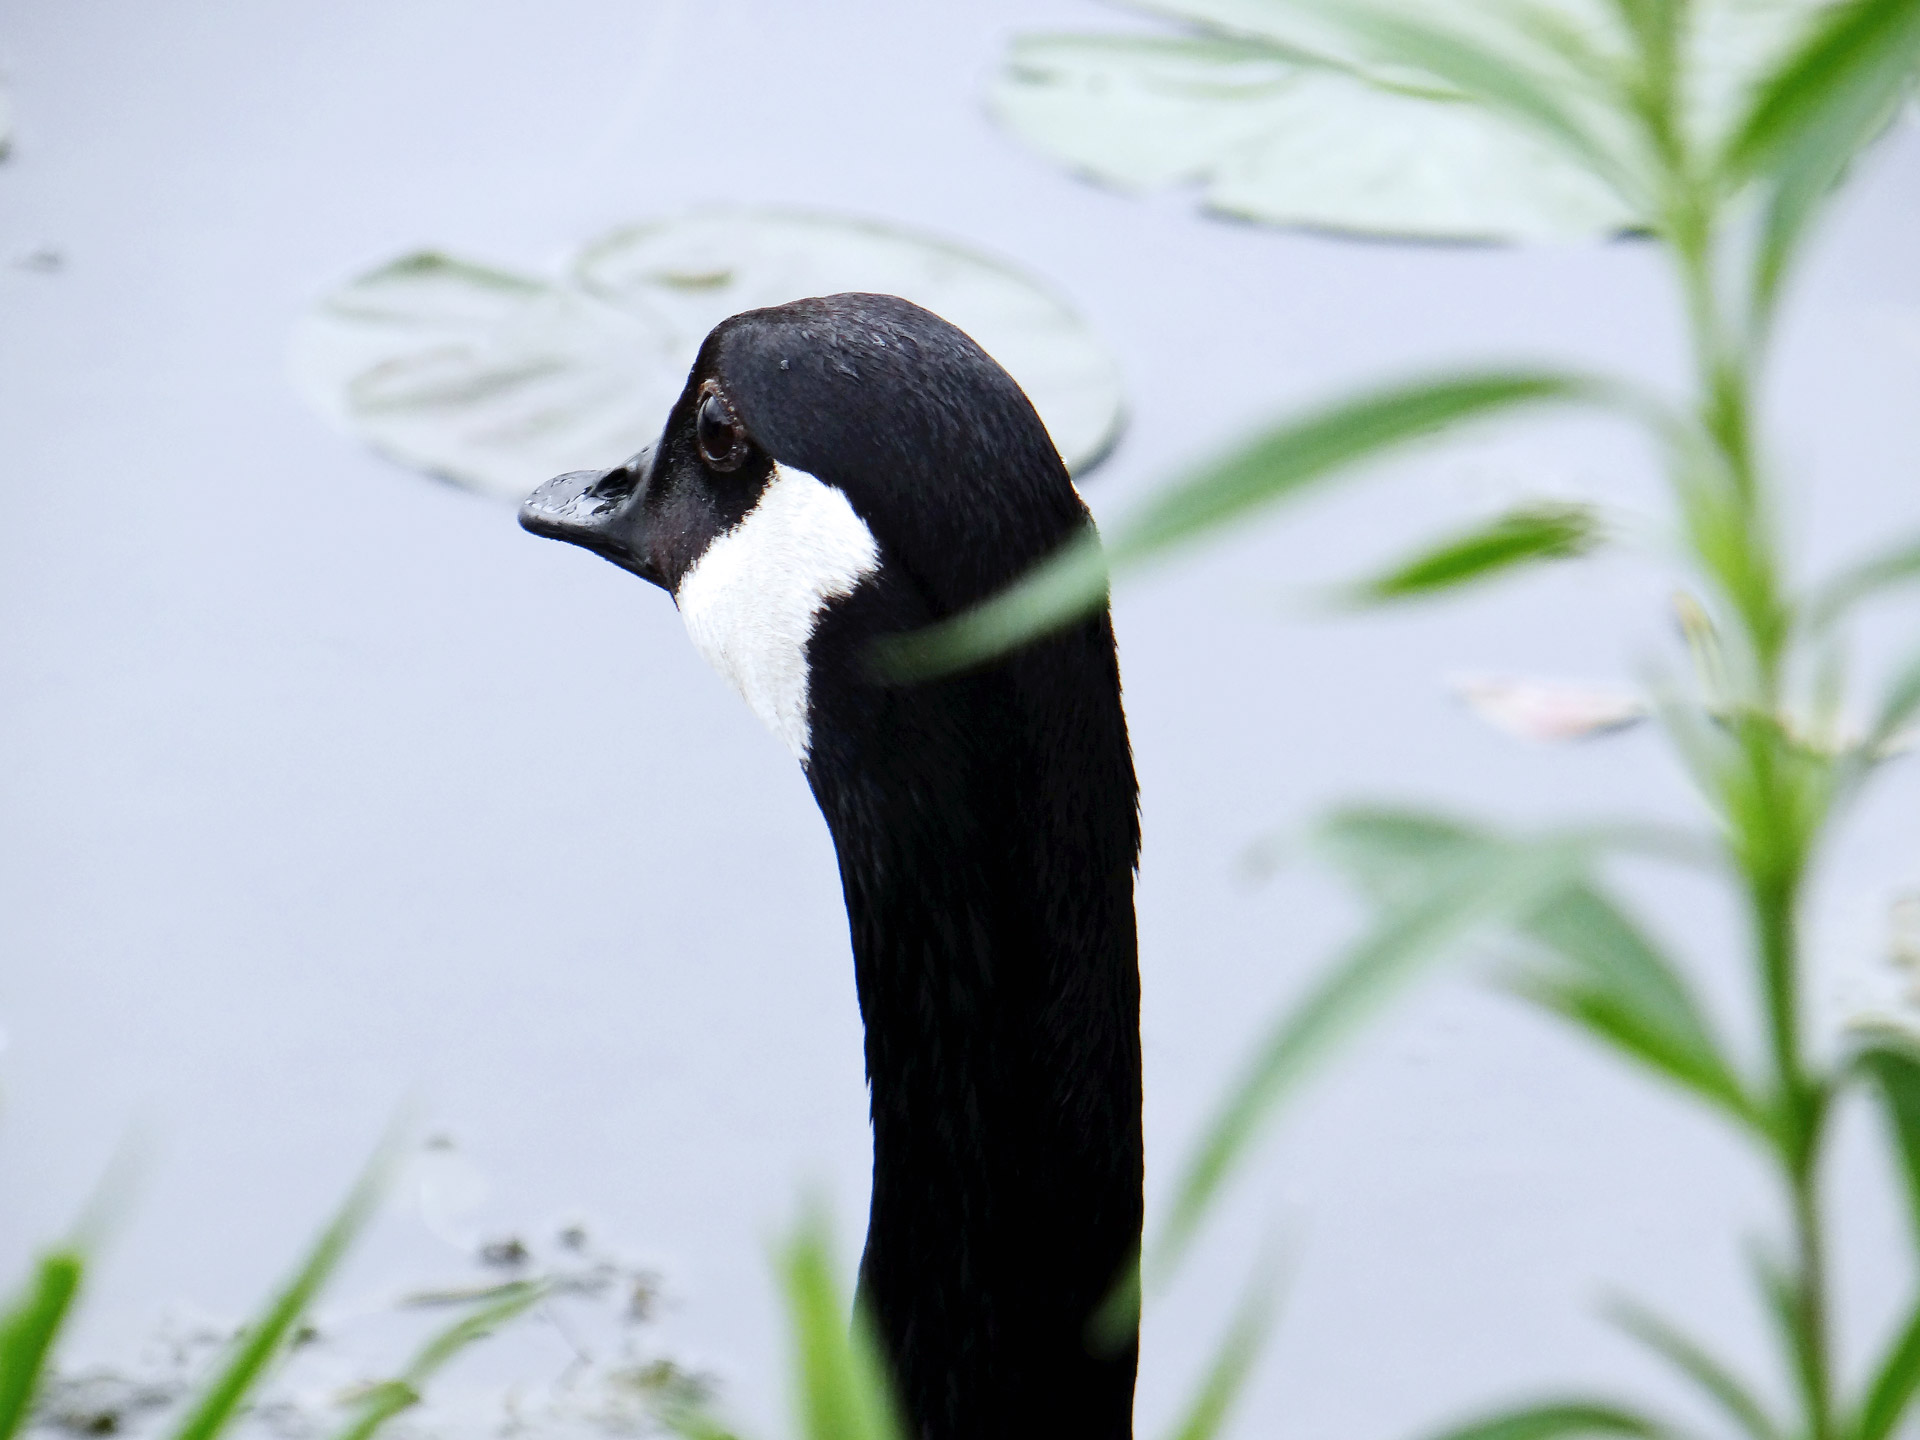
1898	566
1552	1420
1809	118
1890	1061
1621	989
1692	1360
1470	888
1891	1391
1233	1362
1528	535
841	1381
1282	463
28	1329
384	1401
255	1347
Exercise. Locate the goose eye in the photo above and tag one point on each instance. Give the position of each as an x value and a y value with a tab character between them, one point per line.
719	433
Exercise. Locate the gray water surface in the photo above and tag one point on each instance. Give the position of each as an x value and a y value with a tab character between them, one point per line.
324	786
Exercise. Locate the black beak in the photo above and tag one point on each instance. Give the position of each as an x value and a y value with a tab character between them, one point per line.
599	510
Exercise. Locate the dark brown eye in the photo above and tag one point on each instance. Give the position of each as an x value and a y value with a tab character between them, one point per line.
718	431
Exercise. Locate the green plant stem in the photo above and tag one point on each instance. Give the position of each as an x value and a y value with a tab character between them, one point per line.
1761	805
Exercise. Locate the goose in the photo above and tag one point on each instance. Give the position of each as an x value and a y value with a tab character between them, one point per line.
849	467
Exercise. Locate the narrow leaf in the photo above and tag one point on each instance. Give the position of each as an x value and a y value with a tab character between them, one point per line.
840	1379
1550	1421
1894	1383
28	1330
1496	83
1278	465
1692	1360
1898	566
1233	1362
1482	886
1900	704
1890	1061
1858	57
1620	988
1807	120
256	1346
382	1402
1528	535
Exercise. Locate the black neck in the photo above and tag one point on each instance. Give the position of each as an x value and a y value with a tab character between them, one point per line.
987	834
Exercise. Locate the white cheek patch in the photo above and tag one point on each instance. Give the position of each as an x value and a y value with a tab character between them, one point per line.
751	601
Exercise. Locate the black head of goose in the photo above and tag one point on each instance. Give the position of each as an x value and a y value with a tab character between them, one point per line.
851	467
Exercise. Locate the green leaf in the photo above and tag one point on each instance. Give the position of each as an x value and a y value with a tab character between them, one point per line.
1470	887
384	1401
1233	1361
1898	706
839	1376
1269	132
1890	568
1528	535
1693	1360
1781	1290
1833	89
1889	1060
1278	465
1891	1390
1617	986
1612	979
28	1330
256	1346
1503	86
1831	96
498	380
1558	1418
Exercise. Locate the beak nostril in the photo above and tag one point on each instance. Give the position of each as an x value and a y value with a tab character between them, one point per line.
618	484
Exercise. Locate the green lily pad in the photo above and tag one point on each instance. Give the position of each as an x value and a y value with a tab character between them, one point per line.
1284	112
499	380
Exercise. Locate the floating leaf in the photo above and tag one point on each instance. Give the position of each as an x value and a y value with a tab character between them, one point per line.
499	380
1266	137
1527	535
1446	119
1549	710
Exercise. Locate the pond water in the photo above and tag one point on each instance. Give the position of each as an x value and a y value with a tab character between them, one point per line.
327	790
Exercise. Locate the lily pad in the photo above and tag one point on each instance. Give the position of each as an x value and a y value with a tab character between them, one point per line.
1281	111
500	380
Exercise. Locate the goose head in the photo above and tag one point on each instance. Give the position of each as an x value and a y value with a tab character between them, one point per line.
822	451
